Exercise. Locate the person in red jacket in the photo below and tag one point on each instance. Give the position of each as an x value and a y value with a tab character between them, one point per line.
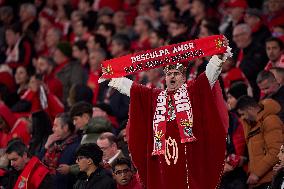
11	127
124	175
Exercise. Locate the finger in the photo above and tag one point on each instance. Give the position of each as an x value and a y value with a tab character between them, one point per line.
101	80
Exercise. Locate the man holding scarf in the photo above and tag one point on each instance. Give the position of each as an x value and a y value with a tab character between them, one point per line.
177	135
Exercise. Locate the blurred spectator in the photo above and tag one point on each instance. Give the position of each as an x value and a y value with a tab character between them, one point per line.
237	90
113	5
254	18
270	88
275	13
81	113
250	56
68	71
28	19
178	29
80	52
91	16
51	40
96	41
157	38
168	13
120	23
45	68
209	26
198	12
19	50
274	50
108	143
105	15
80	29
96	58
6	18
80	93
278	74
26	166
22	80
184	9
93	176
124	175
60	149
11	127
278	31
155	78
264	136
41	129
120	45
142	28
277	182
62	20
106	30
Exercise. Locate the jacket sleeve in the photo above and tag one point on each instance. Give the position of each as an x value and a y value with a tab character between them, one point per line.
273	139
46	182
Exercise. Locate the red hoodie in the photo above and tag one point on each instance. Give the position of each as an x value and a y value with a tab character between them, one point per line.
18	128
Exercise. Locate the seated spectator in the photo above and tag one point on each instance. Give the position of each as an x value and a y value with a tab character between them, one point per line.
278	74
41	128
11	127
278	179
142	28
108	143
157	38
60	149
25	166
80	93
155	78
263	131
120	45
80	52
124	175
52	38
19	51
254	18
270	88
274	50
275	13
93	176
22	80
96	41
106	30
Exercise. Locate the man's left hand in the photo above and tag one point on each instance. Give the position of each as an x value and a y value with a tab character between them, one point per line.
63	169
252	179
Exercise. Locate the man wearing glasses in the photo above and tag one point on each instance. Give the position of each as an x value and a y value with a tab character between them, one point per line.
124	174
92	175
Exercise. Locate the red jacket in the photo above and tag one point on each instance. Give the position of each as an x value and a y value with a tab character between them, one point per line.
17	128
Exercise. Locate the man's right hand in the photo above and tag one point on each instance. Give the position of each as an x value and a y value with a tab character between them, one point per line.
63	169
51	139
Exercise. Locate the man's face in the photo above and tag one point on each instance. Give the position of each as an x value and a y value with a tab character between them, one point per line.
80	121
154	40
241	38
17	161
249	115
83	163
268	87
109	150
231	101
273	50
251	20
116	49
58	128
11	37
174	80
281	155
42	66
122	174
166	13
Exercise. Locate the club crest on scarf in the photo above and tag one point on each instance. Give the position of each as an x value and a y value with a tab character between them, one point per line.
180	106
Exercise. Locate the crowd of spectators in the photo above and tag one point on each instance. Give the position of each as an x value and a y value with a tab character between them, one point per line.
50	62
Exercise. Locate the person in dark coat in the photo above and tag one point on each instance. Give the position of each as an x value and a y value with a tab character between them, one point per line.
92	175
278	179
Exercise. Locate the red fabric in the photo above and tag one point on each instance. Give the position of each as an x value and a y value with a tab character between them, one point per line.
54	85
2	172
239	140
141	45
237	3
114	5
234	74
8	80
240	58
166	55
205	157
94	85
17	127
32	175
276	19
279	63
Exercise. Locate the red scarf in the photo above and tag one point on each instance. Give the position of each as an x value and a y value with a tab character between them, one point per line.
54	152
32	175
169	107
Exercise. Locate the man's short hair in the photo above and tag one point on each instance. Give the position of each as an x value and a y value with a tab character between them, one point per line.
66	120
81	45
122	40
16	145
80	108
30	8
122	161
109	27
91	150
278	70
109	136
265	75
245	102
277	40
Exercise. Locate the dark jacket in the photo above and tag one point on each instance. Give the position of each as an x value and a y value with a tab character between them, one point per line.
279	97
278	179
100	179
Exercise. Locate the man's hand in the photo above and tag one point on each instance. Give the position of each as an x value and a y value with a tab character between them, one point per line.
252	179
228	168
276	168
51	139
63	169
